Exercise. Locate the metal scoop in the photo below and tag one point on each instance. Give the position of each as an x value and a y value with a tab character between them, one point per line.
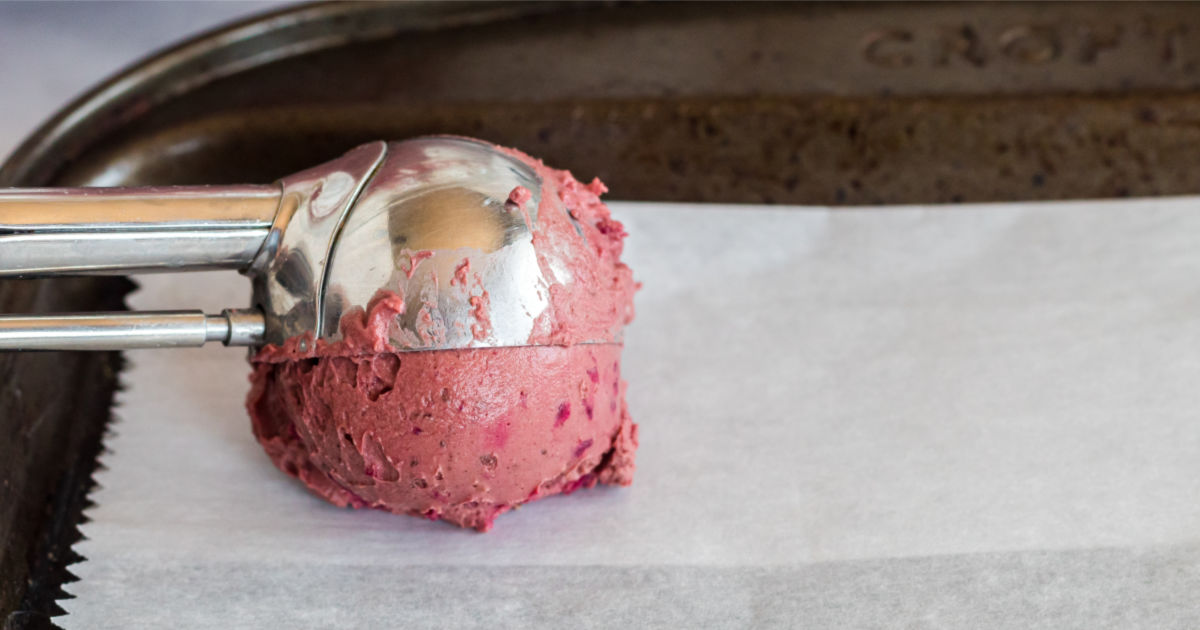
400	216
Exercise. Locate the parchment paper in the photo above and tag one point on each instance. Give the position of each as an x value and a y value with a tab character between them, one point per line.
979	417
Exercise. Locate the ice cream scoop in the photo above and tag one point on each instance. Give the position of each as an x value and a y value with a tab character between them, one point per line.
437	321
394	216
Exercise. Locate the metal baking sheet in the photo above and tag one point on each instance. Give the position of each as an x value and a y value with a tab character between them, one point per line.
769	103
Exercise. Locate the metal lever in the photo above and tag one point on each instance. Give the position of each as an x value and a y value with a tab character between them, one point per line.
126	330
47	232
55	231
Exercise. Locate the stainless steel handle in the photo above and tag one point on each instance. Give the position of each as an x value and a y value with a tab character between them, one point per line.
126	330
55	231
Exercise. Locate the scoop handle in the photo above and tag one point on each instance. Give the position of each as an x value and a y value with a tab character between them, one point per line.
100	231
126	331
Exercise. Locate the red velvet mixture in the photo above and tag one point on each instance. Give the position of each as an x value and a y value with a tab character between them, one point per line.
465	435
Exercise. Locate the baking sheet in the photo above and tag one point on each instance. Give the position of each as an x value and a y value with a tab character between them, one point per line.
913	417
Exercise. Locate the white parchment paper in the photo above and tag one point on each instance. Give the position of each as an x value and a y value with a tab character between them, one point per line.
978	417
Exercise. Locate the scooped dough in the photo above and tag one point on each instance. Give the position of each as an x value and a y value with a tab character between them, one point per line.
465	435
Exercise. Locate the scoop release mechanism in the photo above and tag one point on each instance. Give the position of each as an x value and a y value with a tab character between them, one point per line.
392	216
